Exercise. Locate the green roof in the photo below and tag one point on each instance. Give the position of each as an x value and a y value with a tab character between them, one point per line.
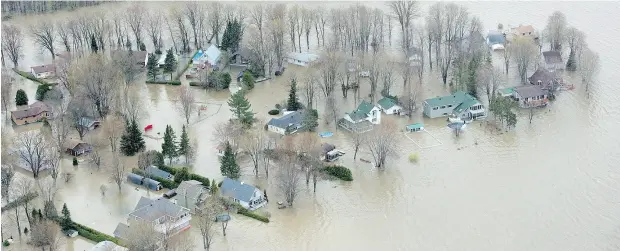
415	126
454	99
386	103
467	102
364	108
506	91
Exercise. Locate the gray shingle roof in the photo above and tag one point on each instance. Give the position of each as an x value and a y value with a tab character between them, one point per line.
191	189
44	68
154	171
152	209
529	91
237	190
543	75
552	57
293	118
121	231
35	109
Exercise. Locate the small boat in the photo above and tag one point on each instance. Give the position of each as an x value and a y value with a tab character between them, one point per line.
363	160
326	134
281	206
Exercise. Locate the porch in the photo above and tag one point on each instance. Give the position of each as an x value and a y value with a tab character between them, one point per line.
359	127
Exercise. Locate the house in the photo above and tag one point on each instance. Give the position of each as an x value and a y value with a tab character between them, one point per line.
301	59
361	119
140	58
43	71
140	180
553	60
496	40
459	104
525	30
287	124
191	194
162	59
329	152
153	171
107	246
530	96
545	79
241	56
76	147
34	113
89	123
246	195
164	216
212	56
389	106
415	127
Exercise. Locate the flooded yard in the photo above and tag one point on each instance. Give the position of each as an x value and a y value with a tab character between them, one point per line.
549	185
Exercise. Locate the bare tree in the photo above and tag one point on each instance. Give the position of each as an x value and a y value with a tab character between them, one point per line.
99	82
374	68
507	57
12	43
388	76
178	19
125	63
381	140
332	111
405	12
8	173
154	27
216	21
588	67
64	33
206	221
276	27
78	111
117	171
194	13
292	17
231	132
5	92
329	71
455	20
309	87
55	156
113	129
33	150
288	178
307	145
523	52
46	234
23	187
135	19
187	103
253	143
576	40
320	20
133	105
142	236
44	35
555	30
489	78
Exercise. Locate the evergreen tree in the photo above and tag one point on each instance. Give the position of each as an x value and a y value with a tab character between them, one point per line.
240	107
128	44
170	62
310	120
41	90
181	175
232	36
132	141
184	147
93	44
248	80
21	98
292	103
169	148
65	220
229	166
151	66
571	65
224	80
34	215
142	47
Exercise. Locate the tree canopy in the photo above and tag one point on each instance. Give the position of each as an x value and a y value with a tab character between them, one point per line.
241	108
170	62
169	147
132	141
292	102
151	66
21	98
229	166
232	36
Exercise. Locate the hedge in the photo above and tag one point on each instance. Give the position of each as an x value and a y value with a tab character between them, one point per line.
29	76
241	210
92	234
274	112
339	172
192	176
193	83
172	82
170	184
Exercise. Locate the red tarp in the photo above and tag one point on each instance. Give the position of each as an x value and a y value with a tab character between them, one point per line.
148	127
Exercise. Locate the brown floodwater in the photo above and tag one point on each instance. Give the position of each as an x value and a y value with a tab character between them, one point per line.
549	185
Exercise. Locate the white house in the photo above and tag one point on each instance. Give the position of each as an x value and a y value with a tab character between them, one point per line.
43	71
213	55
287	124
365	112
301	59
246	195
389	106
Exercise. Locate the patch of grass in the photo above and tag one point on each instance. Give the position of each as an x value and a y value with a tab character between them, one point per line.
413	158
172	82
339	172
29	76
241	210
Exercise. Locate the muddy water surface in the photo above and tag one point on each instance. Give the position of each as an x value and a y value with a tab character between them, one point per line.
549	185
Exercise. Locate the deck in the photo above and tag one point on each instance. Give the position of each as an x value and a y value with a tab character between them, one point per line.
360	127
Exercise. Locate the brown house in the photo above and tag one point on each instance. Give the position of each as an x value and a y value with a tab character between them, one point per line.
34	113
76	147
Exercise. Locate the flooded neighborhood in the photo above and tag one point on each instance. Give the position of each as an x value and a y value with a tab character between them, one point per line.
286	126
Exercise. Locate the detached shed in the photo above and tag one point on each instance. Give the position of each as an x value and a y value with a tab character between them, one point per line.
152	184
135	179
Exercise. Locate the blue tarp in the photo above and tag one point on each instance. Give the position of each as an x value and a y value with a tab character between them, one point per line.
135	179
326	134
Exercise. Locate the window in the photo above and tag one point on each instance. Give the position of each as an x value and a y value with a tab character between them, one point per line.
443	106
449	106
435	108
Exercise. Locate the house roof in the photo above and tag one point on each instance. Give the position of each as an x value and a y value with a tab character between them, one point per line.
87	121
152	209
237	190
34	109
529	91
293	118
552	57
506	91
415	126
153	170
524	29
543	75
495	37
455	99
467	102
213	54
386	103
303	57
43	68
327	147
364	107
121	231
139	56
72	143
191	189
